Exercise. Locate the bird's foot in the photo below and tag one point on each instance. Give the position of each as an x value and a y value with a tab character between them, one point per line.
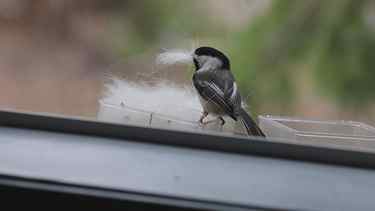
222	121
204	115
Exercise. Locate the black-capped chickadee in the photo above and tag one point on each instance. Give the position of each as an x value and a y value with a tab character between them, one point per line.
217	89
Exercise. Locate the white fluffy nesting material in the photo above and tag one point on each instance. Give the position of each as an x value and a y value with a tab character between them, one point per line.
164	98
175	56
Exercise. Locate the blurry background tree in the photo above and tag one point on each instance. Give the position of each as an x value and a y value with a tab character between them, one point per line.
329	41
308	58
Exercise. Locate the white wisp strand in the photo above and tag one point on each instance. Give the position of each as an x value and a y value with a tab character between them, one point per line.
174	56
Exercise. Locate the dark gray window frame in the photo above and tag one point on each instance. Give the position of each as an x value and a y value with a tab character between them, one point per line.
206	141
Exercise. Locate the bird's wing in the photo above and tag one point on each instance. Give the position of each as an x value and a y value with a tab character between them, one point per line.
223	93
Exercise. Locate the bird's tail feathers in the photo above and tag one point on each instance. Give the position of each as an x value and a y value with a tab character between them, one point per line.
251	126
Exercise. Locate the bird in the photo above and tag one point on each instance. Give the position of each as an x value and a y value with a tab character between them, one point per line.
217	89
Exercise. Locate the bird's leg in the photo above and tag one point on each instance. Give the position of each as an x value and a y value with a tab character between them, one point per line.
222	120
204	115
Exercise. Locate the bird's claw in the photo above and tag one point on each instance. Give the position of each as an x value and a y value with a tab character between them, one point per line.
222	121
204	115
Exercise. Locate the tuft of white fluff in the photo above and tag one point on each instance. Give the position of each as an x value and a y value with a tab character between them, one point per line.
174	56
164	98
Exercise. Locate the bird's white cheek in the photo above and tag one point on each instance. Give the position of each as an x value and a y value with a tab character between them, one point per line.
233	95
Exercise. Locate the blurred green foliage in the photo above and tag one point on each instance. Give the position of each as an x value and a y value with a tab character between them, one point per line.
329	41
332	38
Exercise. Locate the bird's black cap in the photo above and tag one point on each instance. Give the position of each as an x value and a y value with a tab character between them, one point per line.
208	51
